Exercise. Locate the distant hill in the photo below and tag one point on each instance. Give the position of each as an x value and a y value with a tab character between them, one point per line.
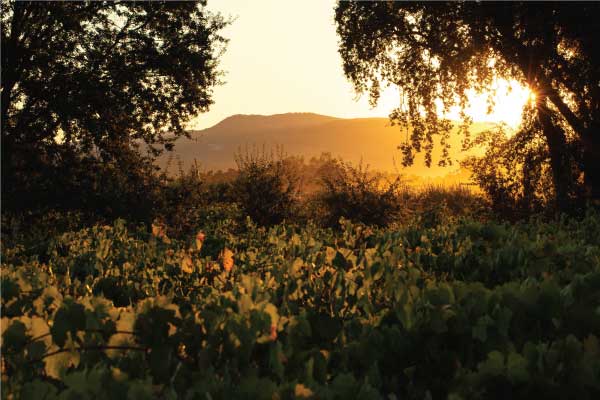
304	134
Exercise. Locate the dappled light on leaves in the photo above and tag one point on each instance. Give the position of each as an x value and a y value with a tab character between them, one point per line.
306	310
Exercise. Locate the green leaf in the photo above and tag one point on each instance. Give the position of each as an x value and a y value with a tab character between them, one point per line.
437	321
85	382
320	367
440	296
10	289
275	360
160	363
516	368
140	391
38	390
479	331
494	365
376	271
367	392
15	336
345	386
591	346
69	318
339	260
325	327
36	350
503	318
256	388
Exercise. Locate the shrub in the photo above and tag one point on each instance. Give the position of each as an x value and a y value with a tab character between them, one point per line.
190	200
357	194
433	203
126	186
516	175
266	187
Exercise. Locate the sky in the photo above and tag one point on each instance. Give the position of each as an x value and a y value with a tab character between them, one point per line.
283	57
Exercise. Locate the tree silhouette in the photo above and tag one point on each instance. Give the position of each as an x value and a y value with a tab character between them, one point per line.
439	50
100	77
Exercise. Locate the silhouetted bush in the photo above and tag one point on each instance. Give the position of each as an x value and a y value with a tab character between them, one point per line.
193	199
357	194
459	200
267	187
126	186
516	175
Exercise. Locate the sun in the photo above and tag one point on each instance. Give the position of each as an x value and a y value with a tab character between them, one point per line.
509	100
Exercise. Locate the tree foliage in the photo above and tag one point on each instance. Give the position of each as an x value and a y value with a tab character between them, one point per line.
435	52
99	78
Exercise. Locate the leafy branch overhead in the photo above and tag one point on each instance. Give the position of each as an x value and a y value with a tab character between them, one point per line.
435	52
95	75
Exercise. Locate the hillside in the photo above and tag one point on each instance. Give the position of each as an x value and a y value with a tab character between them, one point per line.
371	139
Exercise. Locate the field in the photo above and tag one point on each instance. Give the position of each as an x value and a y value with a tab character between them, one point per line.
460	310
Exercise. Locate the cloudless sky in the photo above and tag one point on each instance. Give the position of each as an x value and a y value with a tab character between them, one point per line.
283	57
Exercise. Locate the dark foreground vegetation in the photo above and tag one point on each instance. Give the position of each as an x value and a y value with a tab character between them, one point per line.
459	309
427	294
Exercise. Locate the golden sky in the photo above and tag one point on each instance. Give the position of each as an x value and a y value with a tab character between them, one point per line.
283	57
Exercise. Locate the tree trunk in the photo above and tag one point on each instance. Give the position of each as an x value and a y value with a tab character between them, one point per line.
528	185
6	100
559	158
591	165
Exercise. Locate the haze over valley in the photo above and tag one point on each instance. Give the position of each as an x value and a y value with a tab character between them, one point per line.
372	140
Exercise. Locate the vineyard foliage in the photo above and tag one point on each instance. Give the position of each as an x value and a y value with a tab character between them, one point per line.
461	310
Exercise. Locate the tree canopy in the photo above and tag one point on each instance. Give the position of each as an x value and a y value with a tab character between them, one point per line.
81	78
435	51
95	71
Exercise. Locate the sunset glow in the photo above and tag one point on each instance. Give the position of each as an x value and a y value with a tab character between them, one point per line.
509	100
266	71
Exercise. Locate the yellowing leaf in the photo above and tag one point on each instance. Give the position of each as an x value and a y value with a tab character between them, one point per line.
39	328
157	230
591	345
56	365
124	324
4	323
48	301
187	265
118	375
227	259
200	236
296	267
160	231
302	391
273	313
172	329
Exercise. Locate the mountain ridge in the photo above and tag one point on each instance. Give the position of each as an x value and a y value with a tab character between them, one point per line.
370	140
